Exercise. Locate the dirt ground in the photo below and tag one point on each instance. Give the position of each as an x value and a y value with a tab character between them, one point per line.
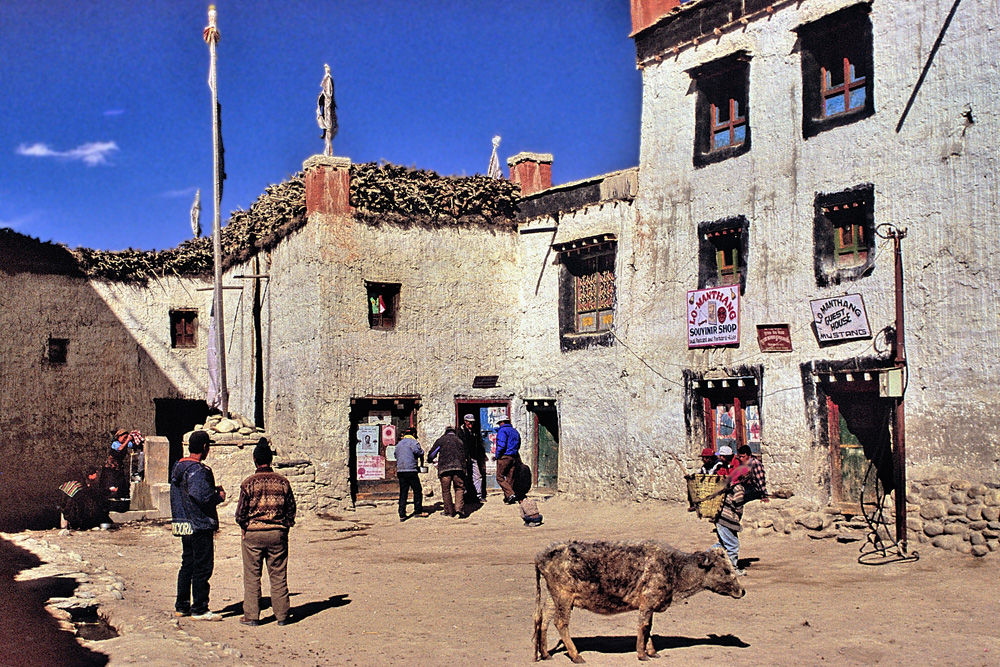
369	590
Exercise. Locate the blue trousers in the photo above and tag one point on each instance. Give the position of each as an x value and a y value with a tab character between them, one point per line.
728	540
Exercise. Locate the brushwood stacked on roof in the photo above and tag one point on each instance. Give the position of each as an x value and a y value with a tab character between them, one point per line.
379	193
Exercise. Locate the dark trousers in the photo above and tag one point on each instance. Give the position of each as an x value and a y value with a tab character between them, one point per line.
197	563
476	489
407	481
453	478
271	547
505	474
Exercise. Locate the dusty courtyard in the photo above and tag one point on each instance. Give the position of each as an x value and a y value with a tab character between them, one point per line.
368	590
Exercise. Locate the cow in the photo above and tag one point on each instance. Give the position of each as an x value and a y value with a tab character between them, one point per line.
614	577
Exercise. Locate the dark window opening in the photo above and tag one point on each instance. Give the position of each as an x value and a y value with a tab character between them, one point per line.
722	114
723	253
183	328
837	70
383	304
844	235
58	349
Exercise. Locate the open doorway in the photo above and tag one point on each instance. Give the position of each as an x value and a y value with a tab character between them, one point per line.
377	423
487	414
174	418
545	424
858	429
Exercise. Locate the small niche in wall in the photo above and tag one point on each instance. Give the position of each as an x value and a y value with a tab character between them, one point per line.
57	350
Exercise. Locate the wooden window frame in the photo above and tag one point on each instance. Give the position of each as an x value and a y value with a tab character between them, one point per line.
389	292
599	268
723	87
844	235
719	241
836	45
188	339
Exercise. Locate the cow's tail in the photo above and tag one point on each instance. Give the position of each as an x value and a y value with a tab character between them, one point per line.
539	609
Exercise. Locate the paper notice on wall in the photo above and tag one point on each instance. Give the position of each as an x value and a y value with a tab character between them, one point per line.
752	417
388	435
494	415
367	440
379	417
371	467
390	453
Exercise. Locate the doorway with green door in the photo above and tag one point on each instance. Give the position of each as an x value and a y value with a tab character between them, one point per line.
545	427
858	429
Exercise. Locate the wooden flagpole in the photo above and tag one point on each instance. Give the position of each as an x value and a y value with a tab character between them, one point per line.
211	35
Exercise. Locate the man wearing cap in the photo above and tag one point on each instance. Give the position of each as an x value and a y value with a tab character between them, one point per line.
409	458
709	463
194	497
469	434
725	455
508	456
265	512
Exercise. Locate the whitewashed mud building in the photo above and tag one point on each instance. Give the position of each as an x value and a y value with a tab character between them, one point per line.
736	287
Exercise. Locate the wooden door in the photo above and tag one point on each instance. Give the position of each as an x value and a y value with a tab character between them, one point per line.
547	449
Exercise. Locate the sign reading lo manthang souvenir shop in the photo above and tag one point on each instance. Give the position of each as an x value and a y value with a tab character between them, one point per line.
713	316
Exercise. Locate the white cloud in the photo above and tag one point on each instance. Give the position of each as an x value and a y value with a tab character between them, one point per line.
18	223
182	193
91	154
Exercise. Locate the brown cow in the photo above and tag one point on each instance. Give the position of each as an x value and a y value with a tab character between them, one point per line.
613	577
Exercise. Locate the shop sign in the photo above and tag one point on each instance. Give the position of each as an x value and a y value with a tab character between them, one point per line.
367	440
371	467
774	338
713	316
840	318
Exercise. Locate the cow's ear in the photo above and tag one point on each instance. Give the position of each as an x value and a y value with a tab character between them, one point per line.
705	560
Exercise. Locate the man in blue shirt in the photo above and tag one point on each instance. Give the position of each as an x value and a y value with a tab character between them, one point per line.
508	457
409	456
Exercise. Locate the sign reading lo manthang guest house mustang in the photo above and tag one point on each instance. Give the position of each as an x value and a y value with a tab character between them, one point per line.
840	318
713	316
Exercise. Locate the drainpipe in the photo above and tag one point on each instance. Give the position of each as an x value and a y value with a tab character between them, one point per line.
899	430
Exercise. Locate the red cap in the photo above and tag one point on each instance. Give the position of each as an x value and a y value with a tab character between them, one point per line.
708	451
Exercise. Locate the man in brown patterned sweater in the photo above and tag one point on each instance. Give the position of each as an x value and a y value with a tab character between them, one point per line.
265	512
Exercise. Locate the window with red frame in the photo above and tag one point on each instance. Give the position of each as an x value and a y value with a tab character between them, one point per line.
722	113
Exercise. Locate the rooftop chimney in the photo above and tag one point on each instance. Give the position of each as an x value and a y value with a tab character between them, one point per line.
647	12
328	185
532	171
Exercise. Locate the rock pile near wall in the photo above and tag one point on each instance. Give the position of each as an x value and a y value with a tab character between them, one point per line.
237	430
957	515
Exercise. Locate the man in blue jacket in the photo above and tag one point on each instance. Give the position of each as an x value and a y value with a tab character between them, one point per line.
507	455
194	497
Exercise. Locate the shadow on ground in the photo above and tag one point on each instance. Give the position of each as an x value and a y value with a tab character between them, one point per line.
31	637
622	644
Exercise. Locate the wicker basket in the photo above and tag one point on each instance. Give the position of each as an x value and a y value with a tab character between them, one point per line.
705	493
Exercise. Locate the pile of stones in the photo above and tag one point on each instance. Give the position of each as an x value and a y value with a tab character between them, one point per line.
236	430
958	515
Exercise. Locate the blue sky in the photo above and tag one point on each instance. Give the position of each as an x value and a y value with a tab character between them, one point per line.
106	127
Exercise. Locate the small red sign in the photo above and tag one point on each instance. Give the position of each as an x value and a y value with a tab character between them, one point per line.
774	338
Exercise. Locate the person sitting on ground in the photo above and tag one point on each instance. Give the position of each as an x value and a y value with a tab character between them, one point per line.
530	514
84	504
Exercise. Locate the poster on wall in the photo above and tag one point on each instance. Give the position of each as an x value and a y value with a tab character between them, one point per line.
725	426
390	453
367	440
379	417
752	417
371	467
840	318
713	316
388	435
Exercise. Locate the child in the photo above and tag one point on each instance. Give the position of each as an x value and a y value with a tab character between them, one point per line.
530	514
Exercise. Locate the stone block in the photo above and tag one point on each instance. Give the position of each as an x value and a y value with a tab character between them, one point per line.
933	528
991	534
959	499
914	499
978	525
992	498
991	513
977	491
964	548
974	512
979	550
960	485
934	493
994	545
812	521
956	510
976	538
955	529
934	509
914	524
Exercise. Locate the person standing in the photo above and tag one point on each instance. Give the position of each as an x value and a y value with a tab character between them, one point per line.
709	464
728	523
751	472
477	458
508	456
449	451
194	498
265	512
409	456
